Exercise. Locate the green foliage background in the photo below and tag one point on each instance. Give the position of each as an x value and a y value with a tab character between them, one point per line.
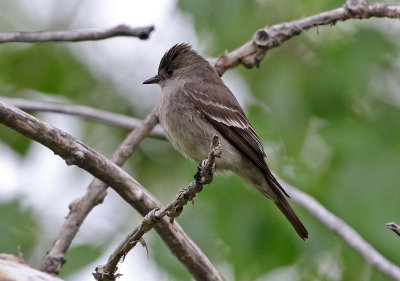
321	105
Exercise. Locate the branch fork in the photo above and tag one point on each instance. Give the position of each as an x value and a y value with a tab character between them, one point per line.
204	175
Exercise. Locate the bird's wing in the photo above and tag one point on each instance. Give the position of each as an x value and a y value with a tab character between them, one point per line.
220	107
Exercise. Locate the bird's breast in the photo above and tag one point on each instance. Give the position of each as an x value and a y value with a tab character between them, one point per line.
185	128
191	134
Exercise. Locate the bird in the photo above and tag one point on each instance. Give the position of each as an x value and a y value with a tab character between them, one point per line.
195	106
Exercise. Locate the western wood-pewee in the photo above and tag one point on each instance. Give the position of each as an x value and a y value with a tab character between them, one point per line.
195	106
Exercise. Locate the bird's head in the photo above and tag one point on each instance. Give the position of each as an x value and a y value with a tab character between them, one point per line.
180	62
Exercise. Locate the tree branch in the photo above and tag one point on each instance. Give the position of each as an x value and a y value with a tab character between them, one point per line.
394	226
86	112
346	232
76	153
252	53
15	268
77	35
204	176
95	194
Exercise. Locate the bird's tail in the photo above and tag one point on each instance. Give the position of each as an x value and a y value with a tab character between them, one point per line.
289	213
276	192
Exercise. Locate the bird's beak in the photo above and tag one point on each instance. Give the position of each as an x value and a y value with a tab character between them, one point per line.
154	80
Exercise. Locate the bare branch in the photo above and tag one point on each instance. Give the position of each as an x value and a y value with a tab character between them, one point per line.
77	35
87	112
348	234
252	53
76	153
394	226
95	194
204	176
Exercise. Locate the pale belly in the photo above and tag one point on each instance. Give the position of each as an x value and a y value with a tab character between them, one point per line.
187	134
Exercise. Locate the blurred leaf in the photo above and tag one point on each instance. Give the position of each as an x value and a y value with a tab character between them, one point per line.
18	229
162	255
78	257
15	140
46	68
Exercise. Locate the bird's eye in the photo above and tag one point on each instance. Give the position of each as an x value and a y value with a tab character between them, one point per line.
170	71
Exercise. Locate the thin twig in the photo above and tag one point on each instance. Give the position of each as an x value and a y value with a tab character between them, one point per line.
346	232
77	35
253	52
87	112
394	226
76	153
204	176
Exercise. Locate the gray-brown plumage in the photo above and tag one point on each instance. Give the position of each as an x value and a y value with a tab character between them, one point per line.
196	105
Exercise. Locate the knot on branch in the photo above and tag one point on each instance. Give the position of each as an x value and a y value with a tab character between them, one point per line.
275	36
394	226
261	38
140	32
356	8
102	273
150	220
75	158
52	264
